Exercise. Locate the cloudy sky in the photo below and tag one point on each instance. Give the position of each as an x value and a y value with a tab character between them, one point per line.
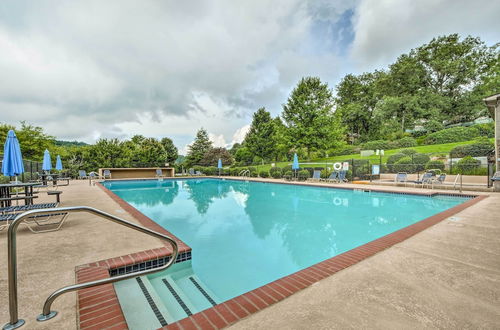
90	69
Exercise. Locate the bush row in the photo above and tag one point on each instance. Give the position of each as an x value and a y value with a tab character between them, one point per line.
459	134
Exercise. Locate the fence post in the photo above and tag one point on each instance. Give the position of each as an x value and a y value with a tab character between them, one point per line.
451	165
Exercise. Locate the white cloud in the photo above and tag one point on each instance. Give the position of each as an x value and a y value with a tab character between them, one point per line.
387	28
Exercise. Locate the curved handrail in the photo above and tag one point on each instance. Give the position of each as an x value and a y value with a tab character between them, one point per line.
47	313
245	173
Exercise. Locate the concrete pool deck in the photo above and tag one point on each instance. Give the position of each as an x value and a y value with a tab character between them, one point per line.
447	276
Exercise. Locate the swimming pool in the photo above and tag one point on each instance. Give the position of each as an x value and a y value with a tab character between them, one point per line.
246	234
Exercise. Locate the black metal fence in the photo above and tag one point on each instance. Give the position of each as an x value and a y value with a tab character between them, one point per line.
31	168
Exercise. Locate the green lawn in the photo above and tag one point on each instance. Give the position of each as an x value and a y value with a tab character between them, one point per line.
427	149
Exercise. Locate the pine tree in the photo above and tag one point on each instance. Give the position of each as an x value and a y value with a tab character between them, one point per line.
170	149
260	139
198	148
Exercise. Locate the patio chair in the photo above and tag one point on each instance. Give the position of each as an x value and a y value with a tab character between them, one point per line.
342	176
39	223
106	174
159	173
401	177
82	174
191	172
333	177
426	179
198	173
440	179
316	176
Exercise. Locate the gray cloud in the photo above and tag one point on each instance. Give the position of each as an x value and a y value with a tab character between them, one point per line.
90	69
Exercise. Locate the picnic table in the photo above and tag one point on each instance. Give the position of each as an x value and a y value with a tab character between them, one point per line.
6	193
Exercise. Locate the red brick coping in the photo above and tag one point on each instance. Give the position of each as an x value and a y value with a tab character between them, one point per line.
98	307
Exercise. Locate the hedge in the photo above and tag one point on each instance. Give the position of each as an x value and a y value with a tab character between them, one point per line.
434	164
377	144
406	142
483	148
405	164
468	165
264	174
454	134
276	172
304	175
393	159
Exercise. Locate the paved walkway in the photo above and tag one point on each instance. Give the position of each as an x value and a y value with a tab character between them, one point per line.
445	277
47	261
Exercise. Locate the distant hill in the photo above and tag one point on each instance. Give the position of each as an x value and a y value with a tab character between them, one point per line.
70	143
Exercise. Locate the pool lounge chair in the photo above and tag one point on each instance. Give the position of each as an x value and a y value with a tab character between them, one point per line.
82	174
426	179
401	177
106	174
39	223
191	172
159	173
342	177
332	178
316	176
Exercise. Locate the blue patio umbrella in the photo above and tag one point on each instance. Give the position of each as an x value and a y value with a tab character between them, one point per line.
295	164
59	163
47	163
12	164
219	165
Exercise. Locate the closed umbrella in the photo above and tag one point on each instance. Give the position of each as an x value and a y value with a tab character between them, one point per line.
219	165
59	166
12	164
295	164
47	163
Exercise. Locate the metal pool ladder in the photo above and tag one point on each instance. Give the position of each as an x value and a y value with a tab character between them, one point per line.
47	314
245	173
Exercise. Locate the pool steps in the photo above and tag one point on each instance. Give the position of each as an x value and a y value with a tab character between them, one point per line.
155	301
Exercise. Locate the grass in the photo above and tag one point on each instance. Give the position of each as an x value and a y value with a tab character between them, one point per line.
427	149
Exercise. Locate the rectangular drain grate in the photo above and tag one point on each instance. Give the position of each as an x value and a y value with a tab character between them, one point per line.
176	296
203	292
155	309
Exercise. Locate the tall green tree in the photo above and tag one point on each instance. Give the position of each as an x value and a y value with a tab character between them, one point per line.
198	148
212	156
260	139
170	149
309	118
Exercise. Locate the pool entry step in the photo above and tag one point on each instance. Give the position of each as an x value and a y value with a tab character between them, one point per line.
151	302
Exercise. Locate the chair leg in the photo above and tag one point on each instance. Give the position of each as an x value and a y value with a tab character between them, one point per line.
38	224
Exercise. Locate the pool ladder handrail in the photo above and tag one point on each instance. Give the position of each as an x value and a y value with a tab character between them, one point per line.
245	173
47	314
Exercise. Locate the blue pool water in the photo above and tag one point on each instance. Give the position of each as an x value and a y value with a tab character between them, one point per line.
247	234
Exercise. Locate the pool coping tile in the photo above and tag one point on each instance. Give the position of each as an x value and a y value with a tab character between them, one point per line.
93	313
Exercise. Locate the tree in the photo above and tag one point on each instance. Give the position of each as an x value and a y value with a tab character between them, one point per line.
170	150
149	152
260	139
309	118
356	100
211	157
198	148
243	156
106	153
32	139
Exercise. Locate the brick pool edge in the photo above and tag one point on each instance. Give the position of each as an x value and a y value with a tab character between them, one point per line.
99	307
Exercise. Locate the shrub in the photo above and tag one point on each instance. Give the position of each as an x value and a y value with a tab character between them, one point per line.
468	165
454	134
264	174
405	164
286	168
234	171
288	174
482	148
486	130
377	144
308	169
433	126
253	171
325	174
434	164
406	142
210	170
408	152
420	160
393	159
304	175
275	172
